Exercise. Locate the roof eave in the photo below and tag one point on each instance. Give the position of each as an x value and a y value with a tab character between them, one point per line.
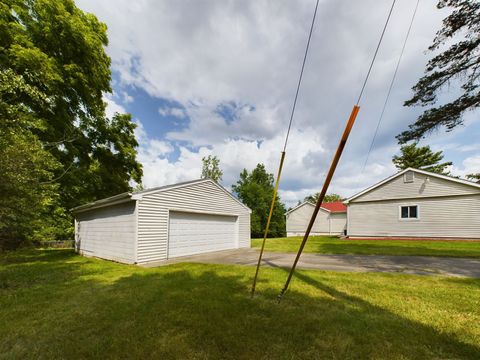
116	199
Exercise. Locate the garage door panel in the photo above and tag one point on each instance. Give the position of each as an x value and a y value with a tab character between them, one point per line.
191	233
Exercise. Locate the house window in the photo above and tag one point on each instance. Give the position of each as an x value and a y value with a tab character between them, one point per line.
409	212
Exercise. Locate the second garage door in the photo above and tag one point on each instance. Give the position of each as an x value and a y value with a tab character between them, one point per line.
191	233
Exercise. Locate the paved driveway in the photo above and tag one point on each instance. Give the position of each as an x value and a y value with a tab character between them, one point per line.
424	265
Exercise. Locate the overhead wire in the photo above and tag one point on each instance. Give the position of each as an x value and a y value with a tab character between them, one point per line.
375	54
301	76
282	157
392	82
336	158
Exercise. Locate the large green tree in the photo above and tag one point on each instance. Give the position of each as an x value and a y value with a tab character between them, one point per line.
26	168
255	190
211	168
328	198
421	158
58	52
456	68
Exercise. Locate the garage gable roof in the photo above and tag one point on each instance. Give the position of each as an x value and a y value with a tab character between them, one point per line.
428	173
324	207
137	195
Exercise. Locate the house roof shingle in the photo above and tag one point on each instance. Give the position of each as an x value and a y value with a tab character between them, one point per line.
335	206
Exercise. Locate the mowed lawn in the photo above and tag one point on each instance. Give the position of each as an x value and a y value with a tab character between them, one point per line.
55	304
335	245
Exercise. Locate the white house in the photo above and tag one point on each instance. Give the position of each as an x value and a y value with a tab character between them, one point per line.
162	223
331	219
416	203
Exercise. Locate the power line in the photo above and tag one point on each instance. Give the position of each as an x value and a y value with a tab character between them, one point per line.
282	158
391	86
375	54
334	163
301	76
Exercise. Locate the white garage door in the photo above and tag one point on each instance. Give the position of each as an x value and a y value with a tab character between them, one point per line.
191	233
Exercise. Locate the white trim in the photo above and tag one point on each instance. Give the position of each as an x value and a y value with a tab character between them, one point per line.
112	200
202	212
135	252
76	242
237	233
428	173
409	218
167	253
348	223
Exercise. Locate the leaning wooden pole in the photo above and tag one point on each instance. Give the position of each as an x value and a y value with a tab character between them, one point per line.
272	205
331	171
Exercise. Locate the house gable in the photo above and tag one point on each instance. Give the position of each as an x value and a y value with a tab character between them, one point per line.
423	184
305	207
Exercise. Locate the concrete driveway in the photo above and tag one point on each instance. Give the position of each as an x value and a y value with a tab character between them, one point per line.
423	265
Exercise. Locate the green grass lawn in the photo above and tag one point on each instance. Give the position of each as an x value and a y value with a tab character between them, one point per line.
334	245
55	304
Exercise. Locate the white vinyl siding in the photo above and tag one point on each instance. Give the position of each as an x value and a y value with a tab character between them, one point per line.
201	197
325	223
455	216
338	223
419	188
193	233
107	232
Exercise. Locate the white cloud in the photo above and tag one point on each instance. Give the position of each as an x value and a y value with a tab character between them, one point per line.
172	111
202	54
127	99
112	106
471	165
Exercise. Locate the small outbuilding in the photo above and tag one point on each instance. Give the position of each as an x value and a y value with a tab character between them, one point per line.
416	204
165	222
331	219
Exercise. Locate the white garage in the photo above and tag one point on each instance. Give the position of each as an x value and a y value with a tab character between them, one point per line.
162	223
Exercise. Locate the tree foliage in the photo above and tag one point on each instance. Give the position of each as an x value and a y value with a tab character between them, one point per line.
211	168
255	190
474	177
458	64
328	198
421	158
53	74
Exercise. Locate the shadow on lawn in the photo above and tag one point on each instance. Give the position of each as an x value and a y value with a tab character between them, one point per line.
204	311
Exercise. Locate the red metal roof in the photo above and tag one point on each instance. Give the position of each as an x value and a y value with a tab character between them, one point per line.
335	206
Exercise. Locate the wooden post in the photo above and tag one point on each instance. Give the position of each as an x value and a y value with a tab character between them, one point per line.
272	205
331	171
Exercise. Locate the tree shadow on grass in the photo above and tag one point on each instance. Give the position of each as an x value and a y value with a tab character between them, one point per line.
196	311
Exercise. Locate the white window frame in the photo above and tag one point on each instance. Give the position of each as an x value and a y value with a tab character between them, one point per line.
409	218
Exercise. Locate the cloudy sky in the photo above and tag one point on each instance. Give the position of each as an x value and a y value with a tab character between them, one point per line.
218	77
